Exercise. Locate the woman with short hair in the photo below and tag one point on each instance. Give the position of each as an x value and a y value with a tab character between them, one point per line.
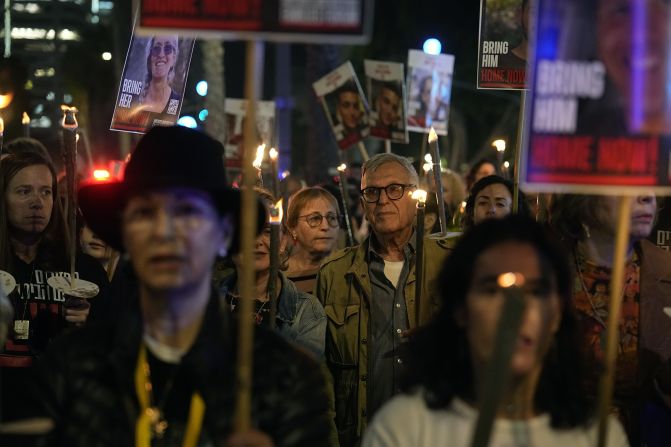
312	225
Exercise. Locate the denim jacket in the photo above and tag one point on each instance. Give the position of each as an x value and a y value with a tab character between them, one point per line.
300	316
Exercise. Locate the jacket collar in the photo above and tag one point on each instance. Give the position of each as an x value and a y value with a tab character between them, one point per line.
287	306
408	249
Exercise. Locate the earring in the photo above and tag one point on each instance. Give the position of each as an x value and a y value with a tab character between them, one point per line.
294	236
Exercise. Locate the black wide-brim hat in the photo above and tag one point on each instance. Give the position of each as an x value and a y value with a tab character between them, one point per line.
165	157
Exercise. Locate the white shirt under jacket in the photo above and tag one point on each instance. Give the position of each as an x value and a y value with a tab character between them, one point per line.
406	421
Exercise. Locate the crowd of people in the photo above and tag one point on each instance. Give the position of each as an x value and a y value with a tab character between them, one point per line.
360	348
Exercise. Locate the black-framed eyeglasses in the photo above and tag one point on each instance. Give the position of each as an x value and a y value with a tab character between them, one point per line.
167	49
314	220
394	191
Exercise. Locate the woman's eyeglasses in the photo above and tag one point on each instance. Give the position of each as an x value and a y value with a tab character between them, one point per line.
167	49
315	220
394	192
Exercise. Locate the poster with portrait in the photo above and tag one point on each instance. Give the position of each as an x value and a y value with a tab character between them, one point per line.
152	83
235	115
599	112
429	90
345	106
386	97
503	44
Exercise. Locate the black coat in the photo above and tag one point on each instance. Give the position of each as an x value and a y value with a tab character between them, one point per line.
86	384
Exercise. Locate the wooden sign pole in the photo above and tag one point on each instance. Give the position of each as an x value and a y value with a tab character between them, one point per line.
248	214
607	381
518	151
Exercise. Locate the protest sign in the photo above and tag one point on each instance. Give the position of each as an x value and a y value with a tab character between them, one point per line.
429	90
340	95
152	83
306	21
502	50
599	112
386	96
235	115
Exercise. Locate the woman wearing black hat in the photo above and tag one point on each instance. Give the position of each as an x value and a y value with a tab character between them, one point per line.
163	373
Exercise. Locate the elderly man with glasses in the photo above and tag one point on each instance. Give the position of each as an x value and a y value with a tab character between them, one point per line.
368	293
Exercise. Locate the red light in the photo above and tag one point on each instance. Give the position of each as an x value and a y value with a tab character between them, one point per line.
101	174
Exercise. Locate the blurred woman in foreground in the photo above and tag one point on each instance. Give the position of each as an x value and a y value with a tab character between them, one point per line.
544	402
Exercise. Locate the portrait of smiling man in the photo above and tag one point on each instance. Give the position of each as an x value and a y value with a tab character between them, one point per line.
368	292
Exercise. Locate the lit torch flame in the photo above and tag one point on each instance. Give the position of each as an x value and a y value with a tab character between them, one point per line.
506	164
500	145
273	153
25	119
510	279
342	167
419	195
2	126
260	152
276	213
69	111
433	136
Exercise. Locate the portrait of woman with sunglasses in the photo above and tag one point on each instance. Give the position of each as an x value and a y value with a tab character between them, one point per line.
158	95
312	225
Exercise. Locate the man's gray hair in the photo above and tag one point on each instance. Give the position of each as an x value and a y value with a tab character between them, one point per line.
381	159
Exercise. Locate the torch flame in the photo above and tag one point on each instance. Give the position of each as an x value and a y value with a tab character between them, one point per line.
342	167
428	158
2	125
500	145
273	153
69	115
506	164
510	279
427	167
433	136
6	99
419	195
25	119
276	213
260	152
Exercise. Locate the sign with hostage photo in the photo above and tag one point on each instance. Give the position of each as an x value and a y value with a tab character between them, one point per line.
429	91
386	96
599	112
504	40
152	84
344	105
236	114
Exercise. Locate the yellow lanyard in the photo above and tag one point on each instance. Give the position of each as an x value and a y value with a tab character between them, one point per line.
148	415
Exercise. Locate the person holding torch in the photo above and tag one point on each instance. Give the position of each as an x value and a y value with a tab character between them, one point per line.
163	373
368	293
544	401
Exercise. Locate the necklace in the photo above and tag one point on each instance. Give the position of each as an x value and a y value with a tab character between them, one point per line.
233	300
151	423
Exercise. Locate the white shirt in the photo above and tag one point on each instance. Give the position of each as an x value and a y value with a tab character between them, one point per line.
406	421
392	270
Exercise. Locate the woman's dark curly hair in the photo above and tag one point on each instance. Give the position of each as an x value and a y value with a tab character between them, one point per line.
439	353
